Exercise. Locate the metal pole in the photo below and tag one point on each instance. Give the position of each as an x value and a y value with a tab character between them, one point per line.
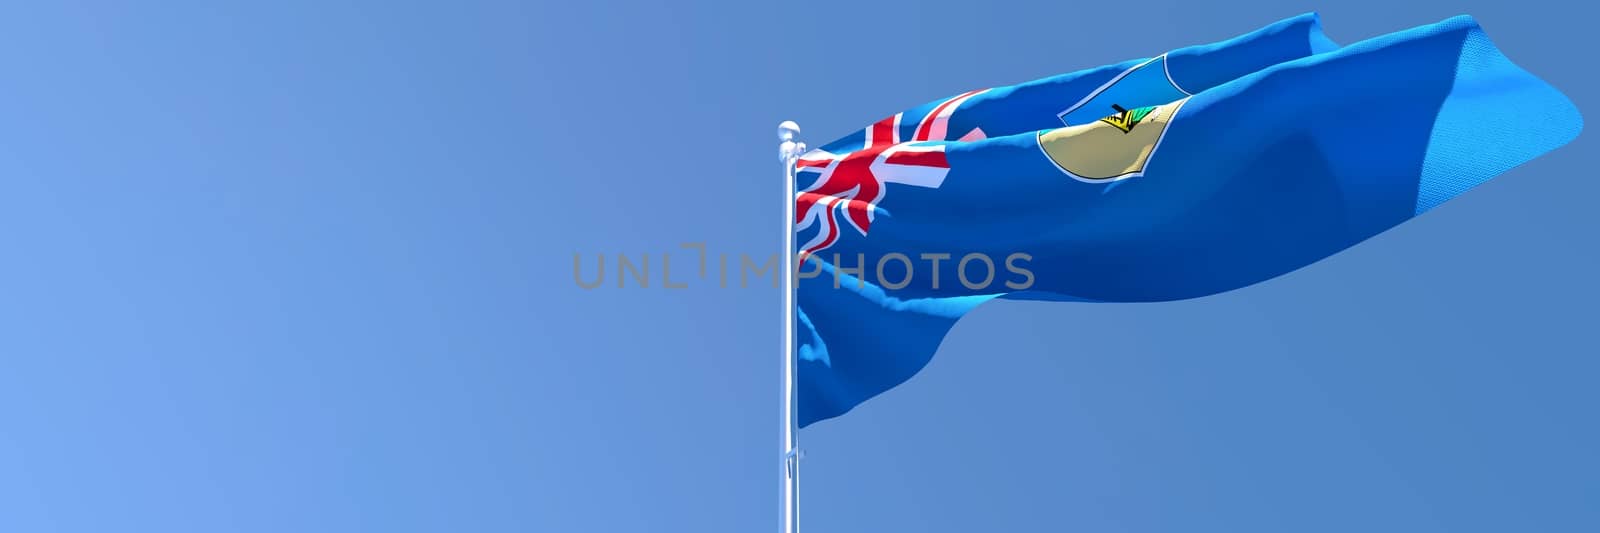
789	151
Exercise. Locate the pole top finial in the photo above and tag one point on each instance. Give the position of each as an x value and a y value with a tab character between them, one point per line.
789	148
788	130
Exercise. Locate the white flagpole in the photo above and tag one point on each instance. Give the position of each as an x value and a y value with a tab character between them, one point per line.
789	151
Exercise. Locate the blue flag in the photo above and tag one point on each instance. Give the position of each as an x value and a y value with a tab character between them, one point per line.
1198	171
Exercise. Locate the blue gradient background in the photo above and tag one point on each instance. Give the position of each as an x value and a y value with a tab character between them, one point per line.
306	266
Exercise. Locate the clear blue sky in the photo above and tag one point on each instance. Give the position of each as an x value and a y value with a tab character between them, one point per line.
306	266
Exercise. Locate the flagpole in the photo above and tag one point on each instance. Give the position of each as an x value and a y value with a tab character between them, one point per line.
789	151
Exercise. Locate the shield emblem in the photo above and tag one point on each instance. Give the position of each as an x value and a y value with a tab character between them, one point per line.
1112	148
1112	132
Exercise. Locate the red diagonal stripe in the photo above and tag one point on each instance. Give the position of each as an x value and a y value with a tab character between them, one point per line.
926	128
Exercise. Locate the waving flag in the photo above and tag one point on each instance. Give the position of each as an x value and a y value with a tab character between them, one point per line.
1191	173
850	174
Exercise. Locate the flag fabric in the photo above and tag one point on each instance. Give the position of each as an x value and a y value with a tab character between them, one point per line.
1195	172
